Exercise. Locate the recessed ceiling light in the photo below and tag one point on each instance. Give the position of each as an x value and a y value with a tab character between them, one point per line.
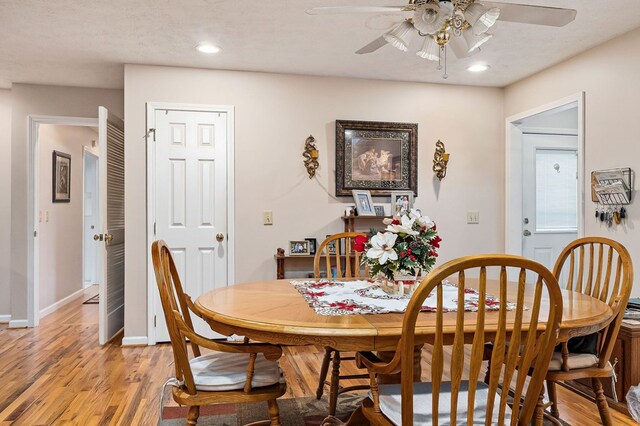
478	68
207	48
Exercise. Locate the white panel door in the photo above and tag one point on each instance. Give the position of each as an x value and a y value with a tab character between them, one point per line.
550	195
191	202
110	232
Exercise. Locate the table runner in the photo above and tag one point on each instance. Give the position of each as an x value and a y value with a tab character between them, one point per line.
335	298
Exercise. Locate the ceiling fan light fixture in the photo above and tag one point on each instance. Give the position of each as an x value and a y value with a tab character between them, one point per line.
427	19
400	36
481	18
430	49
474	41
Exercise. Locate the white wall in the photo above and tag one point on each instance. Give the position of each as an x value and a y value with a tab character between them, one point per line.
28	100
60	228
608	74
274	115
5	211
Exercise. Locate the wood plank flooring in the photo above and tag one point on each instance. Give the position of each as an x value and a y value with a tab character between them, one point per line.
58	374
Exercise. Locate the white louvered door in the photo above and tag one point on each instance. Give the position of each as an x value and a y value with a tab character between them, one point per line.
110	238
191	202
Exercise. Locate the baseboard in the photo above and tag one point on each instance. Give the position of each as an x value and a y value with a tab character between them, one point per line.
60	303
18	324
5	319
135	341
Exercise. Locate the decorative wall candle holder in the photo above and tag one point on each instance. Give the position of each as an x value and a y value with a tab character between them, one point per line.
440	160
310	155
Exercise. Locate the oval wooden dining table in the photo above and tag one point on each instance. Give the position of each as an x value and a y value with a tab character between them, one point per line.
275	312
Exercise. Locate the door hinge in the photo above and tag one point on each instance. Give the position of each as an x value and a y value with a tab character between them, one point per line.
154	320
35	233
154	229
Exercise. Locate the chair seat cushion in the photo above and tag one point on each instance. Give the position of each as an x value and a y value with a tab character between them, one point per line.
574	362
224	371
390	403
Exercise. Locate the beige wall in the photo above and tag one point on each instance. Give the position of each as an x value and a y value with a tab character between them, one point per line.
274	114
609	76
40	100
5	210
60	228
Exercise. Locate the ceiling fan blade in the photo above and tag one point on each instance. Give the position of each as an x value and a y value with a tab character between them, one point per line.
539	15
338	10
373	46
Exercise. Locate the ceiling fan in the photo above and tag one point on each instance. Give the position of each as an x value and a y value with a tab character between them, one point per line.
461	25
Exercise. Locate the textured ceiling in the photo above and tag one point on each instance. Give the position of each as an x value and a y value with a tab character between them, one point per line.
67	42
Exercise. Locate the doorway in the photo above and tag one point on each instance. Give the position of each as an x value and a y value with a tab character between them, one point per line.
545	180
90	219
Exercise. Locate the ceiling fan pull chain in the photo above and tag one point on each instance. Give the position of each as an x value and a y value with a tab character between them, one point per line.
439	67
445	75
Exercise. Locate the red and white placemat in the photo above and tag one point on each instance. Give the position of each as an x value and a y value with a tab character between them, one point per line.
334	298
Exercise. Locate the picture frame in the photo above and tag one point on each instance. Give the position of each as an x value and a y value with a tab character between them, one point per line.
364	202
313	244
401	201
378	156
379	210
331	247
299	248
61	178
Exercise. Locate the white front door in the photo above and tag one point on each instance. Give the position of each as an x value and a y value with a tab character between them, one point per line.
191	186
550	195
110	231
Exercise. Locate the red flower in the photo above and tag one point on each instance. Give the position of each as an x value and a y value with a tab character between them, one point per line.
435	241
360	241
395	222
424	228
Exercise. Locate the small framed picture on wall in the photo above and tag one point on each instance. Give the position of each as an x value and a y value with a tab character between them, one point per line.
61	177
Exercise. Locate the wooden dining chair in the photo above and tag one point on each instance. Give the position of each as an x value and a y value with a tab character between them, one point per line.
600	268
232	373
347	265
523	338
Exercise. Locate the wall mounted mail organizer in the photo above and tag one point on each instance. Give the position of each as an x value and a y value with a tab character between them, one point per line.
611	190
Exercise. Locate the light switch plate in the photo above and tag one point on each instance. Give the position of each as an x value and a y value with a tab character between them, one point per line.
473	216
267	217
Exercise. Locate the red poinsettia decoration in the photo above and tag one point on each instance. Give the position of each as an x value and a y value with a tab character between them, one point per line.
359	243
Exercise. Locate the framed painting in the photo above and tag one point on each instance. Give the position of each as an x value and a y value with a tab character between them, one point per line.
378	156
61	178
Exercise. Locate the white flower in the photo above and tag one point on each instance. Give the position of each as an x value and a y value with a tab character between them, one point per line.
425	221
414	214
382	247
388	220
405	226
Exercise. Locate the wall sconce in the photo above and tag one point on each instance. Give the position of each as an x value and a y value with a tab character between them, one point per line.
440	160
310	155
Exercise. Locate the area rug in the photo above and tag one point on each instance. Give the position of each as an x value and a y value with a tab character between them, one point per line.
92	300
293	412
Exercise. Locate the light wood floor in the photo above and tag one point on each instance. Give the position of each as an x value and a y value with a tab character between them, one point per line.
58	374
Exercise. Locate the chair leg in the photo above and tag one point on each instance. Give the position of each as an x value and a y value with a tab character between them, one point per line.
601	402
335	382
192	416
274	412
553	398
538	417
323	372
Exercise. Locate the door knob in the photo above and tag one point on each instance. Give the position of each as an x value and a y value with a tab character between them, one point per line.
108	237
526	233
97	237
219	237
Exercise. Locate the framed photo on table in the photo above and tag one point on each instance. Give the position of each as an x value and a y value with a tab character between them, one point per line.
364	203
61	177
378	156
401	201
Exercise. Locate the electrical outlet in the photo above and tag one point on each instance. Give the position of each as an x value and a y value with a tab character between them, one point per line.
473	216
267	217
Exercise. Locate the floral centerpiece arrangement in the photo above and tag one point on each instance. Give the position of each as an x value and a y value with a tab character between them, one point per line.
404	251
